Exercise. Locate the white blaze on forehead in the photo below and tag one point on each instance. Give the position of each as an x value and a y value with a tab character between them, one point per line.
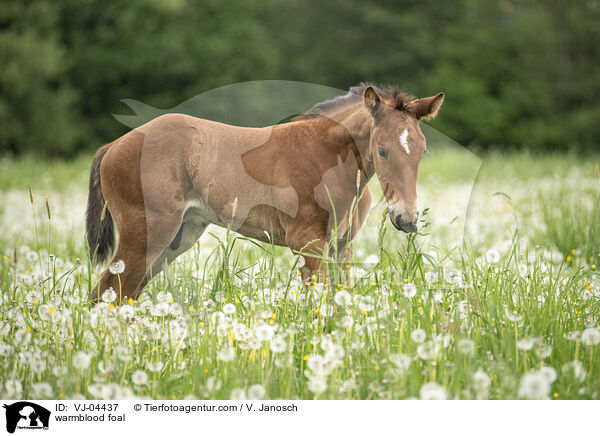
404	141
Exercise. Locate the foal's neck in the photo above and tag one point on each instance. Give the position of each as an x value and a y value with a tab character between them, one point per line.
349	130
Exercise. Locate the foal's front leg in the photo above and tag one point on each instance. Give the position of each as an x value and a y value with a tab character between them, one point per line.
311	244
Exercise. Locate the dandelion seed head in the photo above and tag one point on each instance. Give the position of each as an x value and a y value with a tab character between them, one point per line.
117	267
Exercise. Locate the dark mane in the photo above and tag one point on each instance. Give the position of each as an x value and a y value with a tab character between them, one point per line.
394	96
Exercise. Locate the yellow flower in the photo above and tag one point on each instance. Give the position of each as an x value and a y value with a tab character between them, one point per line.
306	356
201	324
28	329
594	266
35	303
572	251
555	395
130	301
376	367
569	258
191	308
112	306
420	309
50	309
252	356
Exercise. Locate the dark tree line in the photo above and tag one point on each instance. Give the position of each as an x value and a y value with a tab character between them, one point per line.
517	73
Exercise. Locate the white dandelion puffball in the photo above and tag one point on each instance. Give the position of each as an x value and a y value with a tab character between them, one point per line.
109	295
366	303
164	297
264	332
418	335
139	378
427	350
514	316
154	366
317	385
481	381
492	256
42	390
13	389
409	290
543	351
402	361
525	344
534	386
81	360
453	277
301	261
465	346
117	267
229	309
226	354
126	312
212	384
342	298
278	344
256	392
431	277
432	391
575	369
237	394
590	336
549	373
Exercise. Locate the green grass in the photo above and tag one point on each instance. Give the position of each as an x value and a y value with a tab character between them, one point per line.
511	317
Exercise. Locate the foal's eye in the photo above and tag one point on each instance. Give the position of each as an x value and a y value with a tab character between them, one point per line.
382	153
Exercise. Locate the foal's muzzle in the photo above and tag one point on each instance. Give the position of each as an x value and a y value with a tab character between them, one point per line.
407	222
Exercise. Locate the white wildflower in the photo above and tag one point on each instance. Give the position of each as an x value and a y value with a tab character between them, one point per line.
432	391
226	354
534	386
418	335
492	256
256	392
590	336
117	267
409	290
139	377
81	360
342	298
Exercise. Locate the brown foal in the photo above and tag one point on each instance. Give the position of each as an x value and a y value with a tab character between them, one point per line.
163	183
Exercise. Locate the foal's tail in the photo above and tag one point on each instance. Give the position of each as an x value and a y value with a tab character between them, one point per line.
99	224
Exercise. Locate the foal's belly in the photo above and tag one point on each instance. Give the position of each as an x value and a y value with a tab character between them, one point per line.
259	221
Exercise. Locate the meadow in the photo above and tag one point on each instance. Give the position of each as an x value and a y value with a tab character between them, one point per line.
496	298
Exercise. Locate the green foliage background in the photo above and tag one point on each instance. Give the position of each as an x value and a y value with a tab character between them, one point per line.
517	73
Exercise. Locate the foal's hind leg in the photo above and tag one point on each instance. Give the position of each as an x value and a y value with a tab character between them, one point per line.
189	232
142	238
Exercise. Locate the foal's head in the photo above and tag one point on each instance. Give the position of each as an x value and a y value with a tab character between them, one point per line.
397	146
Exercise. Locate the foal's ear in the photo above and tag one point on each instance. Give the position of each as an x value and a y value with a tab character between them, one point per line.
372	99
426	108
